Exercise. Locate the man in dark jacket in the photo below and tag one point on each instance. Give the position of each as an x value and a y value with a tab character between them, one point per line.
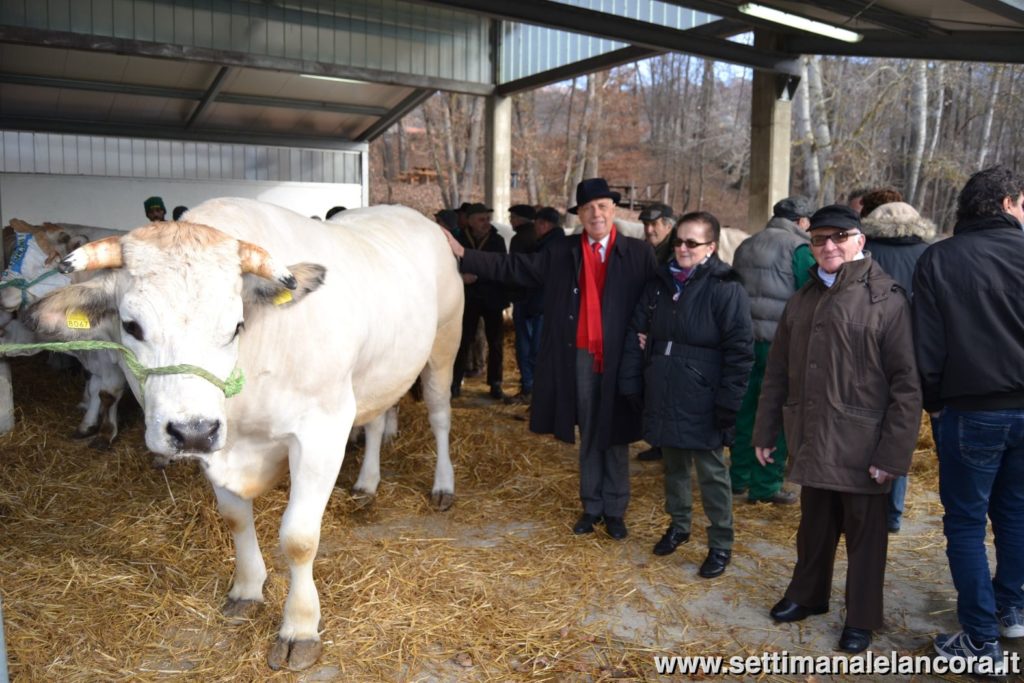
483	300
841	376
547	231
521	218
773	265
592	282
969	337
658	222
897	236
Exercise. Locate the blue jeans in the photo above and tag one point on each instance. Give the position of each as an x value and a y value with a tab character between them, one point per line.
897	495
981	472
527	345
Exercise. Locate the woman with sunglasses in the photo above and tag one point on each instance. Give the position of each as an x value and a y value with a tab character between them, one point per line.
688	356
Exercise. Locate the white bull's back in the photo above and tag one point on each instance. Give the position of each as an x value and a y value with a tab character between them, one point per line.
372	322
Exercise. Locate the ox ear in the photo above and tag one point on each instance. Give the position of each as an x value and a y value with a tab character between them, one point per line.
74	312
261	292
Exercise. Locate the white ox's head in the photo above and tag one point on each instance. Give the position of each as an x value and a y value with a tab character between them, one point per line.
178	292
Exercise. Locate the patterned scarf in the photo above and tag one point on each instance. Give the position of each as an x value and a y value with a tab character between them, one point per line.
589	333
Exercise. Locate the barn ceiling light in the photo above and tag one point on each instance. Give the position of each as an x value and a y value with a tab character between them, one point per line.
332	78
793	21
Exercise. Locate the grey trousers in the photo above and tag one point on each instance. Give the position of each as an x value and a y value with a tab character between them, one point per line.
715	492
604	473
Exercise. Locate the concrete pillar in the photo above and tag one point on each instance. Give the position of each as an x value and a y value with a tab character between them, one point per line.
498	156
770	138
6	398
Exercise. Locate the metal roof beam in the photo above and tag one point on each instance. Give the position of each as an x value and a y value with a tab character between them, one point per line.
1008	9
585	66
415	99
121	130
124	46
186	94
980	46
208	96
638	33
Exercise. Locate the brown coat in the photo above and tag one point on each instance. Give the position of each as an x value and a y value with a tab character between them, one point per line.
842	378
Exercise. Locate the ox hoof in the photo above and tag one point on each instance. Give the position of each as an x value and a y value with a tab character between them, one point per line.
294	654
361	497
100	443
85	433
442	500
239	610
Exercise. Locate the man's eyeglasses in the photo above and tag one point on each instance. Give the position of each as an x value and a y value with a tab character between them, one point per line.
690	244
836	237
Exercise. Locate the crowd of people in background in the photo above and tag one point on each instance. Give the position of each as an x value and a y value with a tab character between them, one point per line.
810	357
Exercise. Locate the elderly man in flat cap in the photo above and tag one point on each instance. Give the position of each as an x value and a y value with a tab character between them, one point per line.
593	282
842	378
773	265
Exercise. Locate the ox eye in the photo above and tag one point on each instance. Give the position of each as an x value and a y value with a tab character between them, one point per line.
134	329
238	330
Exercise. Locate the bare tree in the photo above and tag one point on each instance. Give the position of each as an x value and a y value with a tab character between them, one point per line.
918	128
804	136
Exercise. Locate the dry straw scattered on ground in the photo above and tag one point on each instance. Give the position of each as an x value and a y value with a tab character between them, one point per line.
111	570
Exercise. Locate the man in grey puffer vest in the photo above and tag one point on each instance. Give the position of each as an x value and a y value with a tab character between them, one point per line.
773	265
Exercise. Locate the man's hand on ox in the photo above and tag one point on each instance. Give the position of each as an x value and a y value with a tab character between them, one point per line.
457	248
764	455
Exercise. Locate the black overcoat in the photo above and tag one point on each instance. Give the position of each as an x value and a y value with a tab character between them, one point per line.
553	407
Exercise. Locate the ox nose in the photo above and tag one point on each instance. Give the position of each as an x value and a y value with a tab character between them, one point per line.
196	436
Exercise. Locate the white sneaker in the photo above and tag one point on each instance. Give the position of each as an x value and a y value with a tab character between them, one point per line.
1011	622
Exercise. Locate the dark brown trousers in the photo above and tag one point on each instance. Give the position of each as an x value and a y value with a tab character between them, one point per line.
824	515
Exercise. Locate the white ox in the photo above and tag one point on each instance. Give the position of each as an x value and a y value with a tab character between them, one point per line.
331	341
37	250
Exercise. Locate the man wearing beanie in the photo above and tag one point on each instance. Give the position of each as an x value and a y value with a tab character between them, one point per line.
155	209
773	264
841	375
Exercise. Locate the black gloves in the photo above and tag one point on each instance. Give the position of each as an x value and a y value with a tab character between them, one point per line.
725	422
635	401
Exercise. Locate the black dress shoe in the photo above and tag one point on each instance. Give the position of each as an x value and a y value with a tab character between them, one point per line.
616	527
854	640
672	539
787	610
585	524
715	563
651	454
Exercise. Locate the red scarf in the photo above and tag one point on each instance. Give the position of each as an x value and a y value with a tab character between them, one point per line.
589	333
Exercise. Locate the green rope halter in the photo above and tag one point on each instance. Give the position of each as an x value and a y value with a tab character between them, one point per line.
231	386
24	285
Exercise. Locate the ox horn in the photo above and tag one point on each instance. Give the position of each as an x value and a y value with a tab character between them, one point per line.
257	261
104	253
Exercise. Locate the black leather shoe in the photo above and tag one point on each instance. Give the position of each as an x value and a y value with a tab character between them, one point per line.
672	539
715	563
854	640
616	527
585	524
497	393
651	454
787	610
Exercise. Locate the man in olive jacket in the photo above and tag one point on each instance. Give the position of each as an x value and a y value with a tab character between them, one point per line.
581	345
842	379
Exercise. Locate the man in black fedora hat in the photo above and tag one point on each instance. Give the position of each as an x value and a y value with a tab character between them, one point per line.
592	283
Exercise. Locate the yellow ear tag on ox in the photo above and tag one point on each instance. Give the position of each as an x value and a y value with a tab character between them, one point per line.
77	320
283	297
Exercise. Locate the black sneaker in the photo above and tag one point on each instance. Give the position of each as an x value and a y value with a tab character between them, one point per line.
673	538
